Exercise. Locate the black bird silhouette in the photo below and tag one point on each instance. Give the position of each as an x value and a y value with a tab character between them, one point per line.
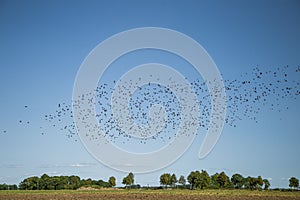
246	96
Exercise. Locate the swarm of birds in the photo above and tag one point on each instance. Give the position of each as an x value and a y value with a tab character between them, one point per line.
246	96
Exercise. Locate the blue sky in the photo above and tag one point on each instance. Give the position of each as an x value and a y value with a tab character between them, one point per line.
43	44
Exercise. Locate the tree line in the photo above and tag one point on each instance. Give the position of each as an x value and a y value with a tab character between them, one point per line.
46	182
202	180
195	180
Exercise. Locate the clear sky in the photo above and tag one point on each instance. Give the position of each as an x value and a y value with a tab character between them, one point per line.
43	43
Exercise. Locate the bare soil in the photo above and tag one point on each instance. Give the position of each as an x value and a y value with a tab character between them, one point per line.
111	195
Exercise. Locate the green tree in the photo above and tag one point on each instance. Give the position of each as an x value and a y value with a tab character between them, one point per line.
192	178
246	183
31	183
128	180
112	181
173	180
86	182
252	183
73	182
102	183
57	182
223	180
44	182
181	180
237	180
214	181
8	187
165	179
202	181
266	184
131	177
294	182
259	182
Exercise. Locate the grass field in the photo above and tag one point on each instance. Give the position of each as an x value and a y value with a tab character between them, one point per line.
144	194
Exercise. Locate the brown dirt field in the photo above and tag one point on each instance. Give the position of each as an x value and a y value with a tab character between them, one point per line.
120	194
152	196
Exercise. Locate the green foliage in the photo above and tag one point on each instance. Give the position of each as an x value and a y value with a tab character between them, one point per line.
192	177
266	184
31	183
46	182
128	180
294	182
165	179
253	183
173	180
8	187
259	182
214	181
202	180
196	179
181	180
199	180
237	181
223	180
74	182
102	184
112	181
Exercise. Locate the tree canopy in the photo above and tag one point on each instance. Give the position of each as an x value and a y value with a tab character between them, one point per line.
165	179
112	181
237	180
294	182
128	180
46	182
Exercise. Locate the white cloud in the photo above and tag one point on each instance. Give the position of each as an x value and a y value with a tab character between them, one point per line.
283	179
64	165
82	165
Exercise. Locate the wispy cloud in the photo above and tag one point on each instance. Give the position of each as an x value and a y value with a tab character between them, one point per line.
284	179
10	165
83	165
68	165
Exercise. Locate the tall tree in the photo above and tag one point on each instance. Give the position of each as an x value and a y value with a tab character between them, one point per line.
202	181
294	182
126	181
181	180
237	180
252	182
223	180
31	183
112	181
173	180
45	182
266	184
165	179
129	179
214	181
192	178
259	182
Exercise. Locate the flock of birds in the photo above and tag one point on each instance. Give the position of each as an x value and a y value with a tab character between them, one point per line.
246	96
